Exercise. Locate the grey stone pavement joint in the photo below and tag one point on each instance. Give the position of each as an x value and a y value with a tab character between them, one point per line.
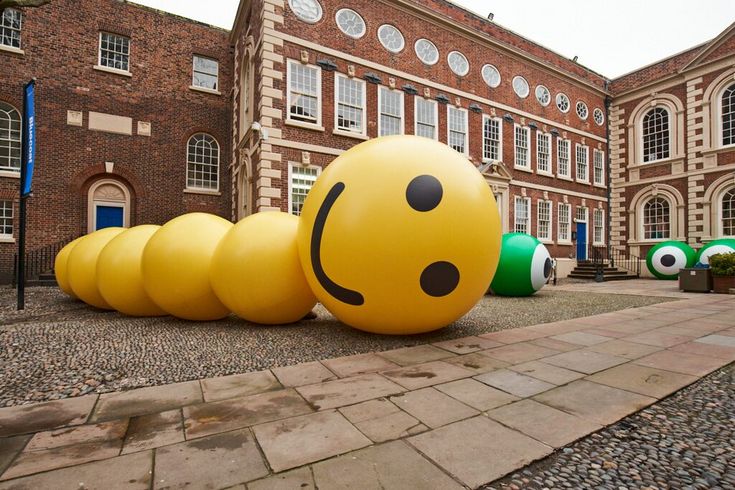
453	414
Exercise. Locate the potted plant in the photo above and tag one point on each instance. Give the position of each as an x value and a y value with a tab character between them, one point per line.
723	272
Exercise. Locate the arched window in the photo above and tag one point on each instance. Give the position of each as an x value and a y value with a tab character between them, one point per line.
656	135
9	138
728	115
202	163
246	95
728	213
656	219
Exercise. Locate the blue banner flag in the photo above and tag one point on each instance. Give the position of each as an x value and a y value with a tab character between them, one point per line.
29	133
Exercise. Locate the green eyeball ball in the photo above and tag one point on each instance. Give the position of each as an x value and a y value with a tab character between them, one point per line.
721	246
665	259
524	267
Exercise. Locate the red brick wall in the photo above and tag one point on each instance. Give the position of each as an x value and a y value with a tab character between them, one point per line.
60	41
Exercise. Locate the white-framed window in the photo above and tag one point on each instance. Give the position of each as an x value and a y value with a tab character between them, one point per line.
202	163
522	215
598	116
304	92
6	219
563	155
581	215
562	102
10	144
543	220
598	218
390	109
349	99
520	86
656	219
458	63
543	96
564	222
309	11
426	114
11	24
426	51
205	73
492	138
114	51
391	38
582	163
582	111
543	152
350	23
727	213
457	136
655	133
728	115
300	181
491	75
598	163
522	137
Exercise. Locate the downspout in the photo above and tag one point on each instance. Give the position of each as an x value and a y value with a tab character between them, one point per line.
608	102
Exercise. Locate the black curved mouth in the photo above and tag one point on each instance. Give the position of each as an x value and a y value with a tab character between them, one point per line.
338	292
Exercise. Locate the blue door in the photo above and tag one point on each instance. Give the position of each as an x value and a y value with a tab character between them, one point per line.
581	241
108	216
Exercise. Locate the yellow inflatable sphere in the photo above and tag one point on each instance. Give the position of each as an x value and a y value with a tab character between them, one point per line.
60	269
399	235
82	266
120	275
176	263
256	270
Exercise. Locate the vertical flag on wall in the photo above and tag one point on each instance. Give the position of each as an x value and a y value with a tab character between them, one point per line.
29	131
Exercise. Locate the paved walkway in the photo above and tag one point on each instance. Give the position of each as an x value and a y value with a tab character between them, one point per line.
454	414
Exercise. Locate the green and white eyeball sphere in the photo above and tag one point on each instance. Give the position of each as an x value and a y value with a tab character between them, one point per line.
524	267
665	259
721	246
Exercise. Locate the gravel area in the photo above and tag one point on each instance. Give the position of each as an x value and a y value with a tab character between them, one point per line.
685	441
59	348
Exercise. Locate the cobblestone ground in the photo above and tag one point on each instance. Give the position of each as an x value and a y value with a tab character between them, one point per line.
686	441
58	348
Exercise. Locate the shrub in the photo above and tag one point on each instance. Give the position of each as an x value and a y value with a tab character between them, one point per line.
723	264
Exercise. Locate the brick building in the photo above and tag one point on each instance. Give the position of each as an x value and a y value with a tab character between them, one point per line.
160	115
133	114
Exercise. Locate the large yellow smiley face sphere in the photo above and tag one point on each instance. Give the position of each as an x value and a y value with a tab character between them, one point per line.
399	235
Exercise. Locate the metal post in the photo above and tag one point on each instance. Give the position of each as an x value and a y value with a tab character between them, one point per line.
27	156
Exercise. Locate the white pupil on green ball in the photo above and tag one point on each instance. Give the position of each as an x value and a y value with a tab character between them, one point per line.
714	249
540	255
680	260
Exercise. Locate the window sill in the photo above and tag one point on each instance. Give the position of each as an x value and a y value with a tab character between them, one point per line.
547	174
359	136
564	177
665	161
719	149
601	186
650	241
204	192
113	71
7	239
305	125
523	169
546	241
10	174
10	49
564	242
586	182
598	244
205	90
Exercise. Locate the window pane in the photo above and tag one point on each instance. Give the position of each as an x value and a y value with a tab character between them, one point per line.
543	143
302	179
599	167
457	120
391	112
10	144
563	157
656	135
728	213
728	116
6	218
349	104
582	153
426	118
522	214
491	140
114	51
10	26
656	223
564	221
521	145
202	170
303	93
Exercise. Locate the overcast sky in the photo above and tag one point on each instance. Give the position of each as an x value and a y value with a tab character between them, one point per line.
612	38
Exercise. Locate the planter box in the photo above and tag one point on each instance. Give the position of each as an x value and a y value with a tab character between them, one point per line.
723	284
695	280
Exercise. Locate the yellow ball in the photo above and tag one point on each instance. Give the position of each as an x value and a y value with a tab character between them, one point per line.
399	235
82	266
176	266
120	275
60	268
256	271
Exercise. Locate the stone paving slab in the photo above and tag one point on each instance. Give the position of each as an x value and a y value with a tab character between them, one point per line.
585	361
419	354
301	440
459	448
623	348
477	363
380	420
306	373
217	461
681	362
224	387
146	400
643	380
103	432
546	372
467	345
348	391
519	352
154	430
9	449
657	338
475	394
44	416
705	349
358	364
514	383
581	338
433	408
394	465
129	472
423	375
215	417
299	479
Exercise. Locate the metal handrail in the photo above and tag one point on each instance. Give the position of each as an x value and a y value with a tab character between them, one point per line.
39	260
600	256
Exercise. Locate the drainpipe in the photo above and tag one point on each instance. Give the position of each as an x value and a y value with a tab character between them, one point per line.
608	102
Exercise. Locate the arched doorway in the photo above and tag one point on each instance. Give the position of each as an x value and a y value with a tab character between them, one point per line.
108	205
